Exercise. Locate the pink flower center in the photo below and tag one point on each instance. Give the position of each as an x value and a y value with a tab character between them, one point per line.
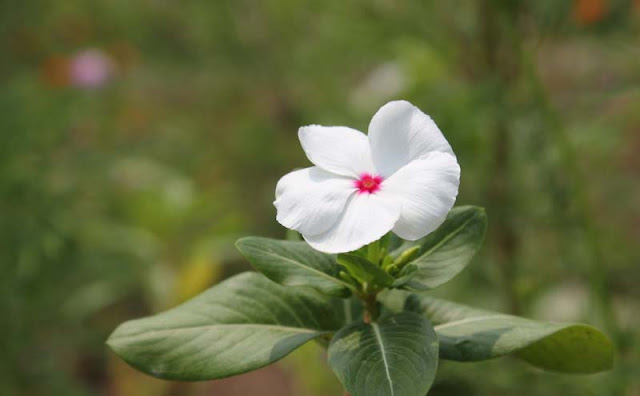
368	184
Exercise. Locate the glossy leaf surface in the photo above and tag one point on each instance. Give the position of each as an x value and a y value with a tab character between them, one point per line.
293	263
470	334
448	250
395	356
241	324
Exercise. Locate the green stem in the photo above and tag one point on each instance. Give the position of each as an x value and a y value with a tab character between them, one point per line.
372	308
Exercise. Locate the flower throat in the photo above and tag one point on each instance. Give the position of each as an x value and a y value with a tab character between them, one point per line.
368	184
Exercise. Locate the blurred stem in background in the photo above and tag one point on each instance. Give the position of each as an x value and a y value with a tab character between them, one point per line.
507	62
501	53
598	279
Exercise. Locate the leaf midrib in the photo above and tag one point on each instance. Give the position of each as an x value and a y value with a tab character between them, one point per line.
147	333
468	320
376	332
446	239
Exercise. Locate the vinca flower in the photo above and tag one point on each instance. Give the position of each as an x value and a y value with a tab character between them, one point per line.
90	69
401	177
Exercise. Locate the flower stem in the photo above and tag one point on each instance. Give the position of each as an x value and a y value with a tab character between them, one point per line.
372	309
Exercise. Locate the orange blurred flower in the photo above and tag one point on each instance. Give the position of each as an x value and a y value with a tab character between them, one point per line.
588	12
55	71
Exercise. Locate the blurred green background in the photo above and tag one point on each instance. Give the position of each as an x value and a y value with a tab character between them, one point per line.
140	139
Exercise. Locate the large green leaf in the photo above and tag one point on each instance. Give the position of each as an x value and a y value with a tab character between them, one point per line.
293	263
396	356
448	250
241	324
470	334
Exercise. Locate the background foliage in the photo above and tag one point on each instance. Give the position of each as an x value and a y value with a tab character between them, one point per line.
124	198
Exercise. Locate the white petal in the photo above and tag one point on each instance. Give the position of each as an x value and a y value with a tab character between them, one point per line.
427	189
339	150
366	219
400	133
311	200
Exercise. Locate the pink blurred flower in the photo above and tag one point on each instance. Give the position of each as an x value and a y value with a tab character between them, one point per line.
91	68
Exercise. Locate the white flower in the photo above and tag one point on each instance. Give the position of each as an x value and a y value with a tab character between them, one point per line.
402	177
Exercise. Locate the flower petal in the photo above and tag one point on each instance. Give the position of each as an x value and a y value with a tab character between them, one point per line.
311	200
366	218
427	189
341	150
400	133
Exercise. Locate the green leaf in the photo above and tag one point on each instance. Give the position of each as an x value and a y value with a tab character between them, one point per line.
292	263
397	356
470	334
448	250
241	324
405	276
365	271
